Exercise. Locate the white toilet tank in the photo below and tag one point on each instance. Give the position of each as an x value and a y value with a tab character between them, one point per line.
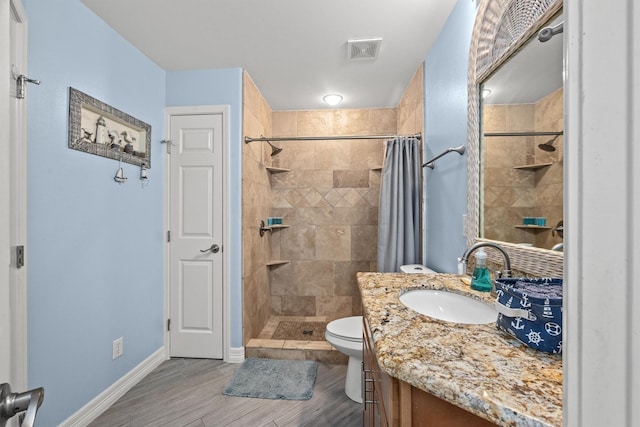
416	269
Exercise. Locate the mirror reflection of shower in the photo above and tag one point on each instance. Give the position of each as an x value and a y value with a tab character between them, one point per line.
547	33
522	138
548	146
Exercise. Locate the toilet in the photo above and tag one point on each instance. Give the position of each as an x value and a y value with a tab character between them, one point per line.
416	269
345	335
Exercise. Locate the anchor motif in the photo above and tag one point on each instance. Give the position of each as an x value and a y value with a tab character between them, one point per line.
518	323
525	301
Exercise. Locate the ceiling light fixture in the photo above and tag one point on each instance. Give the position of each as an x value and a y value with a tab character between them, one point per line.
332	99
486	92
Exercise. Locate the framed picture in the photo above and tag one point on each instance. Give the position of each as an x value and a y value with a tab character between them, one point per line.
98	128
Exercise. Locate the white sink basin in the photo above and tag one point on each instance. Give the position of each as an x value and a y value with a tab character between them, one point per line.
449	306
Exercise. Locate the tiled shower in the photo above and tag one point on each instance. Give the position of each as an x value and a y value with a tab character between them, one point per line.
511	193
327	195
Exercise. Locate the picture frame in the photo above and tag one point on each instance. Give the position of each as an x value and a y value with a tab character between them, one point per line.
100	129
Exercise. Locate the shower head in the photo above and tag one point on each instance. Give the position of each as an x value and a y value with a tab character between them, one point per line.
459	150
548	146
545	34
274	150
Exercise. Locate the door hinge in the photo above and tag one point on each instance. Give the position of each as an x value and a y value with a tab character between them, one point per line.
169	144
168	235
168	324
20	256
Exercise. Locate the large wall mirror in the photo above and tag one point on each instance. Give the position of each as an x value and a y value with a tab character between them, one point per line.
515	135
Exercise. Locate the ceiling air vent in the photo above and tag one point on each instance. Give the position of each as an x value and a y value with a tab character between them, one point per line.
363	49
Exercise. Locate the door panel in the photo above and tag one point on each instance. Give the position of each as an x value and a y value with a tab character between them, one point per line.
196	218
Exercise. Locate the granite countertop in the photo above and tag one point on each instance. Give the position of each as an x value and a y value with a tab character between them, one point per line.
476	367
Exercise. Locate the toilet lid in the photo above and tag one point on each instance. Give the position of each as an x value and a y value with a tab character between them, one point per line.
347	328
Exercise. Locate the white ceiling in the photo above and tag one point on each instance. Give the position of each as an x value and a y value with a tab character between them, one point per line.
530	74
294	50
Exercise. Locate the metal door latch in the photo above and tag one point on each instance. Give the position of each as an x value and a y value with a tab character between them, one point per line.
12	404
214	248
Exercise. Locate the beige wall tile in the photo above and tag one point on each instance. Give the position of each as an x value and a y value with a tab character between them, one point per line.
285	123
494	118
350	178
410	110
256	204
382	121
351	122
366	153
364	242
283	281
331	154
333	243
520	117
345	282
334	307
298	242
317	122
298	306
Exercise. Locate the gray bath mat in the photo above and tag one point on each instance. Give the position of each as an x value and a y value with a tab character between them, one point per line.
273	379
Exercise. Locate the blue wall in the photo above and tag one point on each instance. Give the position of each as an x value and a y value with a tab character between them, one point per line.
446	126
221	87
95	247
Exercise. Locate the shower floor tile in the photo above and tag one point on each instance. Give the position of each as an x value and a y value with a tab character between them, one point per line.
319	350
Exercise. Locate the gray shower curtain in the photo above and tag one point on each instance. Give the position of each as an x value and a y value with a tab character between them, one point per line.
399	210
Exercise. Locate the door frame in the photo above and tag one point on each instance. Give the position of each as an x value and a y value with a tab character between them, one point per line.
224	110
14	219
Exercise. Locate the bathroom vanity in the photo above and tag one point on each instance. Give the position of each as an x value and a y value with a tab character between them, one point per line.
420	371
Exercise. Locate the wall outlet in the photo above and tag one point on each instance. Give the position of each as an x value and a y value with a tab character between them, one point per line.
118	347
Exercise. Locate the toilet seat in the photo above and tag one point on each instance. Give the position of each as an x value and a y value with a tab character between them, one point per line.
347	328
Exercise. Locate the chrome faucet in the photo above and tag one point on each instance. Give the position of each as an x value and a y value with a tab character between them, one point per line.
462	261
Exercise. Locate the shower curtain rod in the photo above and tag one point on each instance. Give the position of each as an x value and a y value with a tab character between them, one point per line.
248	139
524	133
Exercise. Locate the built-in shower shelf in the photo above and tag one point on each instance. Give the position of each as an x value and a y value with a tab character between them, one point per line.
376	168
278	226
532	227
277	262
271	228
272	169
533	167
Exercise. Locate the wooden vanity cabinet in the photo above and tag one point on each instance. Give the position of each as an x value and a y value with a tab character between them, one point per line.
380	391
389	401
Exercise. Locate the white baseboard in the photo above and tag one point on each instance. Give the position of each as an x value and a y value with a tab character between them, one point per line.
104	400
236	355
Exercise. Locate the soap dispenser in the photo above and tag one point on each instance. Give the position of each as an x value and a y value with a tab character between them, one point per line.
481	280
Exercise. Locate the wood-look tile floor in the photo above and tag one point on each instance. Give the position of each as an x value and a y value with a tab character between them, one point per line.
188	393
